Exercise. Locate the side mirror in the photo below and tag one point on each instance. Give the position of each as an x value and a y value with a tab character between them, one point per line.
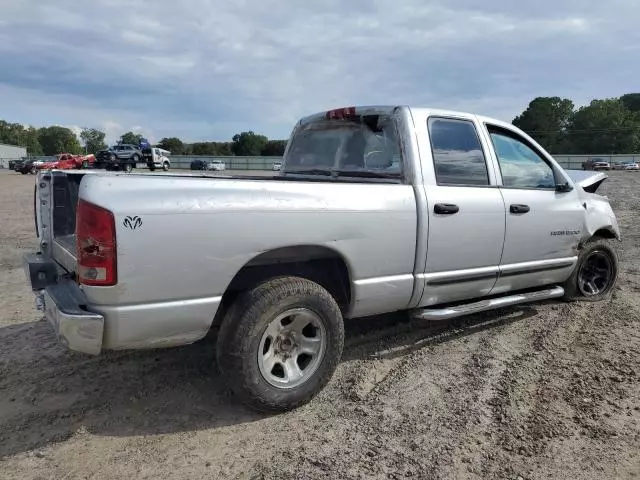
563	187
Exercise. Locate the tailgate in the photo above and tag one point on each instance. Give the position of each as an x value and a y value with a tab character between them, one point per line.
56	199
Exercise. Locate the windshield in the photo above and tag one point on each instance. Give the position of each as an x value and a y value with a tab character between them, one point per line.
354	145
120	147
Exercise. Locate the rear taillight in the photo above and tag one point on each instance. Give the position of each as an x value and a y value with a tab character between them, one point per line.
96	245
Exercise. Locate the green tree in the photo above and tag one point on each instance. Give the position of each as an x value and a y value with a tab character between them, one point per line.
604	126
93	140
224	148
631	101
274	148
131	138
31	141
58	140
546	120
173	144
18	134
209	148
248	143
202	148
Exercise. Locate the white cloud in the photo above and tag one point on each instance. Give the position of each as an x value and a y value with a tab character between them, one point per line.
201	70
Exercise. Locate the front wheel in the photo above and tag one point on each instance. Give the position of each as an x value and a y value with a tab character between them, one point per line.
280	343
595	274
165	166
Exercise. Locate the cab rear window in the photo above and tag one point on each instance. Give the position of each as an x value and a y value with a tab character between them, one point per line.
354	143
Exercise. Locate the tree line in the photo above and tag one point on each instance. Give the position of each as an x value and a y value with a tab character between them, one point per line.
56	139
605	126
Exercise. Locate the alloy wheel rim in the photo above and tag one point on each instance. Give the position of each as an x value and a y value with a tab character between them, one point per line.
292	348
595	274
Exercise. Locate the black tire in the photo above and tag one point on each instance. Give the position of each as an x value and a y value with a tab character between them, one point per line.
112	157
599	250
24	172
152	167
135	158
127	167
243	327
165	166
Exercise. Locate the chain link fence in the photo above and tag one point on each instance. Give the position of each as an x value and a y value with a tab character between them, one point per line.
574	162
183	162
231	163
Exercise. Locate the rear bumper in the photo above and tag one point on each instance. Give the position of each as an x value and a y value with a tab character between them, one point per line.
64	306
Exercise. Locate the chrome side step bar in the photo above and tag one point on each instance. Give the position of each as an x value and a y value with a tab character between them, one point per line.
446	313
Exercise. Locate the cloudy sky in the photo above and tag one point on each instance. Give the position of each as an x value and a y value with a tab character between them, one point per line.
204	70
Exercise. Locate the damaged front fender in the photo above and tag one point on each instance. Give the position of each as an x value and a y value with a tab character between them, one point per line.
599	216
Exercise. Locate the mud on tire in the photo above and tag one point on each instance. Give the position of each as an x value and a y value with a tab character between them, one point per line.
255	329
596	272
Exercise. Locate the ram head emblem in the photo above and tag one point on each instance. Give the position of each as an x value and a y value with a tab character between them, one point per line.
132	222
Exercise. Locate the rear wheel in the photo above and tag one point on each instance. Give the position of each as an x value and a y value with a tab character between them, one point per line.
127	167
280	343
596	272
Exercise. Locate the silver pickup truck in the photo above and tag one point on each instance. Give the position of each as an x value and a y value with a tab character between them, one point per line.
374	210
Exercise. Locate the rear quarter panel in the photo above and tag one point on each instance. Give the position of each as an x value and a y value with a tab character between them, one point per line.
195	234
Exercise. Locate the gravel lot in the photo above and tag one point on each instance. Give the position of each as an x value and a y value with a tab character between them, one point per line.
544	391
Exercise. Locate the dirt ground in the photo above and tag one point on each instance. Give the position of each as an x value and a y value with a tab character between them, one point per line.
544	391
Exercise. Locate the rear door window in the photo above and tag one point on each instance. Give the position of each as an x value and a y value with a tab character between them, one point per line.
458	157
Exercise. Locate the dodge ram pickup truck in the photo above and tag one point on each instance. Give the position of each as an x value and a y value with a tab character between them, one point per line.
374	210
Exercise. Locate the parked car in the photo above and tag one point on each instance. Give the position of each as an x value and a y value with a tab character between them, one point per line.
67	161
331	237
216	165
277	166
632	166
617	166
119	157
25	166
198	165
596	165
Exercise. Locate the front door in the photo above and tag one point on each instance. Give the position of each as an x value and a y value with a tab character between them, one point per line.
466	214
543	225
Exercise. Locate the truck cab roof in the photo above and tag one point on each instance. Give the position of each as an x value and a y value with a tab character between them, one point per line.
389	109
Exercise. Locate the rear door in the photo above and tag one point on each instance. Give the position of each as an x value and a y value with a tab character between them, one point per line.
543	226
466	213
